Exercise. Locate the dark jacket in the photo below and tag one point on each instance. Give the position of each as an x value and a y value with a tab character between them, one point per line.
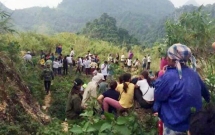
47	74
73	106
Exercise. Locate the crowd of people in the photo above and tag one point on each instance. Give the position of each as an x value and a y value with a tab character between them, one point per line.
172	92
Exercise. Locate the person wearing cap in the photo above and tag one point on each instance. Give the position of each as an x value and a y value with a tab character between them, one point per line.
47	76
73	105
91	89
179	91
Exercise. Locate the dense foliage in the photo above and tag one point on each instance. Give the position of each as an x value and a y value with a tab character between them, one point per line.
105	29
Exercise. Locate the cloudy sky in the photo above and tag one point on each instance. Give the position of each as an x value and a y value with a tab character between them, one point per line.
19	4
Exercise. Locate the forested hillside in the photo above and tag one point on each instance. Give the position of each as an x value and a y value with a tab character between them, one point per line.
137	16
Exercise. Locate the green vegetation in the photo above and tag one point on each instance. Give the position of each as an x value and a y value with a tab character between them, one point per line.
105	29
137	16
193	29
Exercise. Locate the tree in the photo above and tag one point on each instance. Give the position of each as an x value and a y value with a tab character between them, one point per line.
5	25
105	28
195	29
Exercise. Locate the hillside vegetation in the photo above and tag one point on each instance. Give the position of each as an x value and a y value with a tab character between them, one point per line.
136	16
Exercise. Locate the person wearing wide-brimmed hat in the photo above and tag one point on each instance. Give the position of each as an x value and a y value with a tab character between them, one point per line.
178	91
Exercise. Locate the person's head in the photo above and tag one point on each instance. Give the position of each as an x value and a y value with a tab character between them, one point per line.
120	79
126	78
65	57
77	86
145	75
145	56
113	85
52	54
106	62
71	48
41	50
203	122
95	72
55	59
136	59
178	54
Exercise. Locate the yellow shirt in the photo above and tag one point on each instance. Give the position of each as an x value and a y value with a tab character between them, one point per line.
126	99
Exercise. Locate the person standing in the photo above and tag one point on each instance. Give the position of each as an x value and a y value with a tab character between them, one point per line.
104	69
123	58
72	53
78	66
144	63
55	66
60	62
149	62
87	66
65	66
179	91
70	63
129	63
47	76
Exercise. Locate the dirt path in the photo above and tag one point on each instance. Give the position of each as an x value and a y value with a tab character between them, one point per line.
47	102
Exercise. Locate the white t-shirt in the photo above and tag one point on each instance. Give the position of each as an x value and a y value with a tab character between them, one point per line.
123	58
69	60
87	63
55	64
129	62
144	86
104	69
27	57
72	53
60	63
149	59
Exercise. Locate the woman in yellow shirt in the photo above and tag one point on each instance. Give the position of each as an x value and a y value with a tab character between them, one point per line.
126	90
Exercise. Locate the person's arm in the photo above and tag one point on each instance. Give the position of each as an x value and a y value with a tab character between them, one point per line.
85	95
100	99
162	89
204	91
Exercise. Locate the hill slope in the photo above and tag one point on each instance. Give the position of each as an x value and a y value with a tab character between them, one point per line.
71	15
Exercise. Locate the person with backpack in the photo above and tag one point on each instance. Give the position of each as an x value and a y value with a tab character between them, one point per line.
47	76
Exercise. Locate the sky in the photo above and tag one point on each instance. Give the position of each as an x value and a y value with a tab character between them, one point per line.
19	4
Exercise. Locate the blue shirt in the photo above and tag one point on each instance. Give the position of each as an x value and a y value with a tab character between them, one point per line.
175	97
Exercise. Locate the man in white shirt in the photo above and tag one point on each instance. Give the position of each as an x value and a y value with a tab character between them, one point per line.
72	53
69	60
129	63
87	66
28	57
104	69
149	62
